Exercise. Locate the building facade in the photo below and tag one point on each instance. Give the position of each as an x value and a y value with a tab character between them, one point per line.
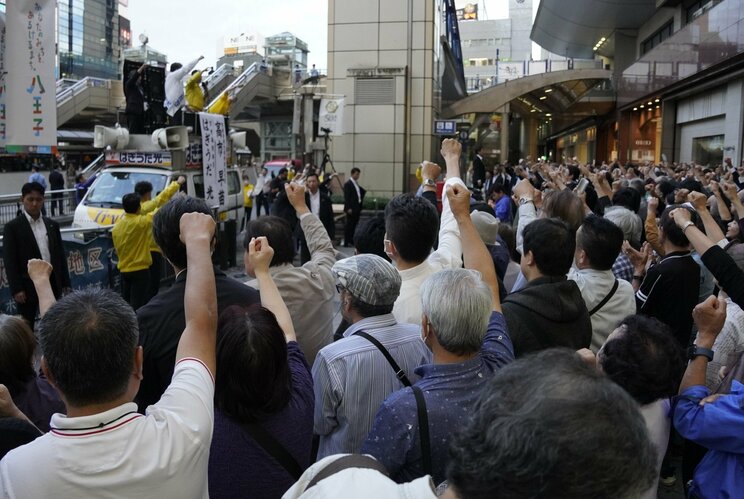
88	38
385	58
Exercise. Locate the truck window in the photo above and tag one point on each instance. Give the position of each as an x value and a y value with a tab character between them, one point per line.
110	187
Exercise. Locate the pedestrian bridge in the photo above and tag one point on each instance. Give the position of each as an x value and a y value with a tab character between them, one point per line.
543	92
97	100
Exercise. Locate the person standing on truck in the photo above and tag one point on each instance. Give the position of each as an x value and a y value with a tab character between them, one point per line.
174	94
194	92
135	100
147	205
132	235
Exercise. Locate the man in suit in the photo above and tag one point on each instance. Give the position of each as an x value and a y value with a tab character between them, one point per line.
57	183
353	198
32	235
135	100
479	169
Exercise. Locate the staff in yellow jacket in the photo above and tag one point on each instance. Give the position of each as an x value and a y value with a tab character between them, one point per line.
194	93
132	235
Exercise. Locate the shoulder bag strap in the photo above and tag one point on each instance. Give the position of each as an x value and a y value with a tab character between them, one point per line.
349	461
423	422
606	299
399	373
273	448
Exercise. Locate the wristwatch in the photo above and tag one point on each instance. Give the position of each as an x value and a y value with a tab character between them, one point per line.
695	351
524	200
430	182
687	224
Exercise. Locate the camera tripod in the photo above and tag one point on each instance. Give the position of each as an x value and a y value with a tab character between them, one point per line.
327	157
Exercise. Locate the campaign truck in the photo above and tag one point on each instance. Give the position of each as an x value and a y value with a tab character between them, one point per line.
159	158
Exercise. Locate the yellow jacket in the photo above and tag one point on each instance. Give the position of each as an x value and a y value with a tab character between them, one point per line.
132	234
154	204
221	105
194	92
247	199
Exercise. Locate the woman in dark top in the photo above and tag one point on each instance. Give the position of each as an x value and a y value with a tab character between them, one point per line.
263	392
32	394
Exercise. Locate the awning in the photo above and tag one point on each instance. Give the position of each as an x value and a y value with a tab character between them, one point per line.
572	28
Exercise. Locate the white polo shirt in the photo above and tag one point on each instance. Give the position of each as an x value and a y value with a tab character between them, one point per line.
120	453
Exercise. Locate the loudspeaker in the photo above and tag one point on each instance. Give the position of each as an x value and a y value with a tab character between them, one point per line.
173	137
238	139
104	136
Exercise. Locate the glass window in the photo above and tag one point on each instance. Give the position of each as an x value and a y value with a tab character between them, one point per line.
708	150
659	36
233	182
110	187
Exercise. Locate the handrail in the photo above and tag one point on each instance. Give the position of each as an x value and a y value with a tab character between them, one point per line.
94	163
215	77
69	92
240	81
77	230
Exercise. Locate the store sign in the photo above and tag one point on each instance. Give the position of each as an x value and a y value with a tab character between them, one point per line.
2	80
214	160
468	13
445	127
643	143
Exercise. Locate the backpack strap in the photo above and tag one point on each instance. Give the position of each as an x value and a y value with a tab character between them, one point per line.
274	448
346	462
399	373
423	423
605	299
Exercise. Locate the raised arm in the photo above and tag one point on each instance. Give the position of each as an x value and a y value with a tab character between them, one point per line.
723	211
700	203
475	254
163	197
259	255
318	242
39	272
729	190
451	150
709	318
200	297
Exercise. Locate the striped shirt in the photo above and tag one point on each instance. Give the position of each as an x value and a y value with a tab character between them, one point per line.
352	378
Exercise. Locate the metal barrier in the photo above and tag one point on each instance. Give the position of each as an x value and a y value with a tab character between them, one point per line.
58	205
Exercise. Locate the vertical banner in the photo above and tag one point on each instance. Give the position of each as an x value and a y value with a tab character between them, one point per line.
3	72
31	97
214	152
331	116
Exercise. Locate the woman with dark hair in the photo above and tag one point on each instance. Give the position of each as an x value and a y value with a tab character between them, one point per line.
644	358
263	421
33	395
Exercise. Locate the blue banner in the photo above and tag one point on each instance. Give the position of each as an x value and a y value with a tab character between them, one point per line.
91	264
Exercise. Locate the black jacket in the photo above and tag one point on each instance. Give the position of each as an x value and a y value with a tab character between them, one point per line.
161	323
134	99
351	200
56	180
548	312
19	246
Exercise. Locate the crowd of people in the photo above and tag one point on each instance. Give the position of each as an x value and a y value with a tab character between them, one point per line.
539	331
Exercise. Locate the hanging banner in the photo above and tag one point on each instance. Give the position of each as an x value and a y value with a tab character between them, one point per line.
3	71
331	116
31	104
214	153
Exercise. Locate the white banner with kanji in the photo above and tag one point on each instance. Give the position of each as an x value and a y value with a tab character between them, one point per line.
214	156
31	103
3	70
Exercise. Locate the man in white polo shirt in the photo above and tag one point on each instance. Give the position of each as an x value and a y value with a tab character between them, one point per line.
103	447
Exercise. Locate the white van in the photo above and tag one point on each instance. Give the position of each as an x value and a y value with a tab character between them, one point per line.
102	206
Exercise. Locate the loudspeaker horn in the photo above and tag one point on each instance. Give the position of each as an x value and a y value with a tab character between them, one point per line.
104	136
172	137
238	139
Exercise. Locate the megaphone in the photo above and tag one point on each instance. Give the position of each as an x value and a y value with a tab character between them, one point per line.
104	136
172	137
238	139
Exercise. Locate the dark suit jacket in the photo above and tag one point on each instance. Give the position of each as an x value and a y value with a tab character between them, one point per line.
19	245
135	101
281	207
56	180
479	170
161	323
351	200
